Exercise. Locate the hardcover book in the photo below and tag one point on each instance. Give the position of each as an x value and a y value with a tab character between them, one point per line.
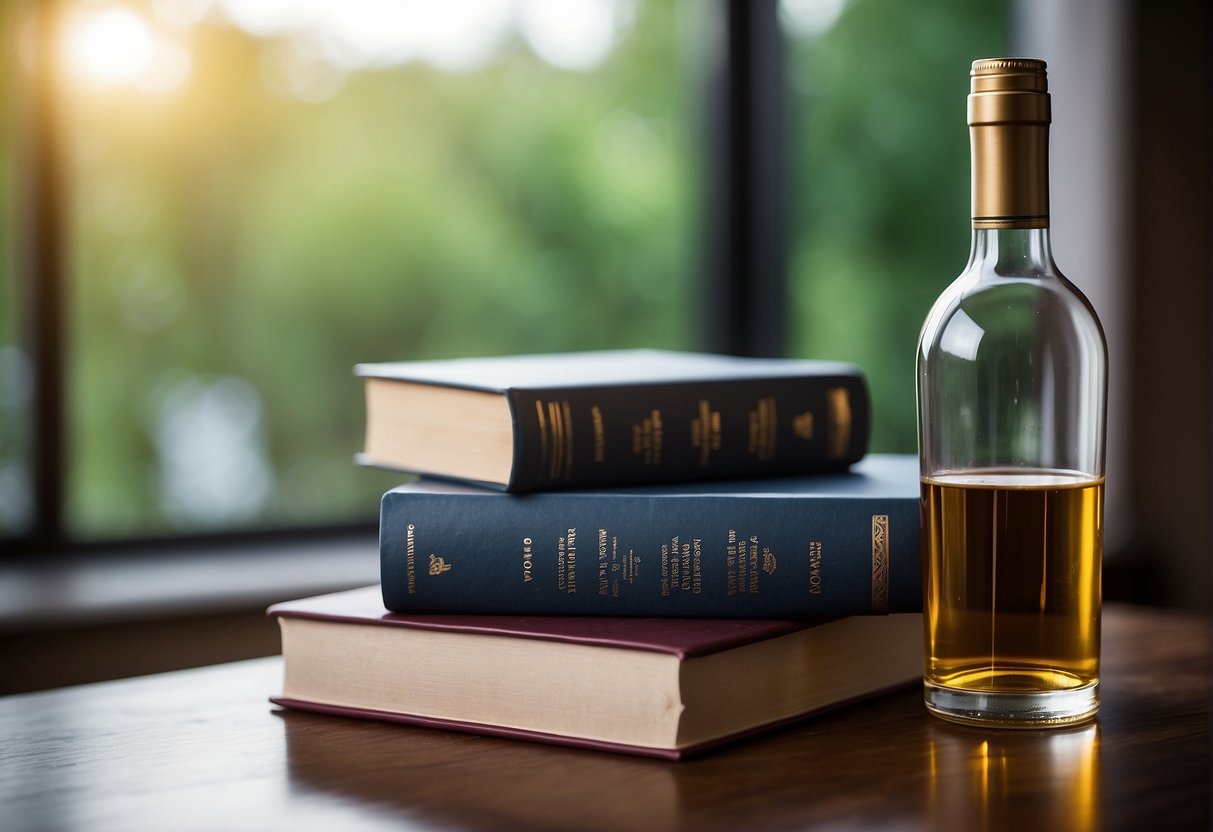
659	687
526	423
795	547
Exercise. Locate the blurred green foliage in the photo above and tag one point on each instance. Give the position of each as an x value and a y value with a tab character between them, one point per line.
228	231
881	185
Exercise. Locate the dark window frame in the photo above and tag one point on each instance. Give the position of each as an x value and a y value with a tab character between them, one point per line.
41	273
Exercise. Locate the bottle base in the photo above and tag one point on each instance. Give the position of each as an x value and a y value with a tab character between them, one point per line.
1020	709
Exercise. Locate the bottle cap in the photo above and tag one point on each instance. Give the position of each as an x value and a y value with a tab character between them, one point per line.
1009	91
1009	75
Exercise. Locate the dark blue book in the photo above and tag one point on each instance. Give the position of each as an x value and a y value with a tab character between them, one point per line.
793	547
620	417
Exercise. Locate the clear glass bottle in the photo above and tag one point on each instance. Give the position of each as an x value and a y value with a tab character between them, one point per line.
1012	381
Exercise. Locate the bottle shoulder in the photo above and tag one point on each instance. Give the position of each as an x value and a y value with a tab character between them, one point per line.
999	308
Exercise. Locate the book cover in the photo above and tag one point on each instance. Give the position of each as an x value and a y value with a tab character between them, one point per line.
656	687
795	547
527	423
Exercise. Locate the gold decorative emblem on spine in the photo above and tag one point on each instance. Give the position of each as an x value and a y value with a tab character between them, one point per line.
566	418
838	403
769	563
438	565
880	562
556	439
544	452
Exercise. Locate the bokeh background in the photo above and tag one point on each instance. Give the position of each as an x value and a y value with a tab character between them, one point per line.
259	194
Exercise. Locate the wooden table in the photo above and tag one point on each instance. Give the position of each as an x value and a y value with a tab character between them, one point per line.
202	749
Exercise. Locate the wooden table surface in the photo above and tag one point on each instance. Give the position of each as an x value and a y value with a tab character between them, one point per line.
202	749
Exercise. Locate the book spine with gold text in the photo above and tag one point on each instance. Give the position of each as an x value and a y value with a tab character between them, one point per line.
631	553
593	436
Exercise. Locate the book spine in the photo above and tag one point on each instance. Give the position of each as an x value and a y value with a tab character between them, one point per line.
591	436
643	555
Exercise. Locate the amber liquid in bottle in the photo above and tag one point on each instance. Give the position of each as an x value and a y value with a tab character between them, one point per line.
1013	566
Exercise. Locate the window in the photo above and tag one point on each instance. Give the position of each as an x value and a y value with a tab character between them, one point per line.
258	195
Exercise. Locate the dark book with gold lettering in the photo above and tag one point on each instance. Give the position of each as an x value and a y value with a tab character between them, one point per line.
659	687
528	423
789	547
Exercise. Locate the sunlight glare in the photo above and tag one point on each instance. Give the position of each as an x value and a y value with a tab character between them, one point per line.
572	34
170	67
115	46
181	14
810	18
453	36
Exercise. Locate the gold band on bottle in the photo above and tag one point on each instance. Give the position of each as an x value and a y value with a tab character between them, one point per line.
1009	130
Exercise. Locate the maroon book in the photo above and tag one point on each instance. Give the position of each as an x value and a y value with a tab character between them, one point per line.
660	687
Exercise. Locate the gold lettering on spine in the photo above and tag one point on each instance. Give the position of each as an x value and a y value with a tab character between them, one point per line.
604	583
410	557
566	562
752	565
665	570
731	562
528	560
815	552
880	562
647	438
706	432
838	402
697	566
802	426
764	429
570	552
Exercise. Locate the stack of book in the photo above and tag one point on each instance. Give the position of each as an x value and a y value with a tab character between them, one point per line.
641	551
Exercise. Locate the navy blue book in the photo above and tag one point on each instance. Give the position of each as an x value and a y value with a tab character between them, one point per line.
622	417
792	547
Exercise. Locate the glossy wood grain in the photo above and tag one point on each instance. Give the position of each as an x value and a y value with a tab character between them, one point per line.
202	749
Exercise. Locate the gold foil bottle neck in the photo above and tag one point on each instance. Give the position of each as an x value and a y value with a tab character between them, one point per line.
1009	115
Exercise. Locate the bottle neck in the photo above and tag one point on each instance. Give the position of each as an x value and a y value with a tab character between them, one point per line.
1010	175
1011	196
1011	252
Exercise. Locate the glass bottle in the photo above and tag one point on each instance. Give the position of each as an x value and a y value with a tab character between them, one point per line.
1012	381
